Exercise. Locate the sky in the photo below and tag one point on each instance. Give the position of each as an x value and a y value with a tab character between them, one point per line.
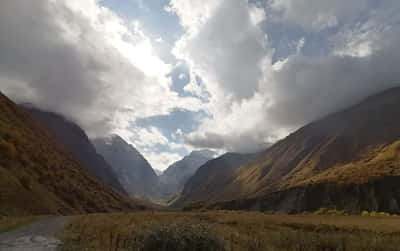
171	76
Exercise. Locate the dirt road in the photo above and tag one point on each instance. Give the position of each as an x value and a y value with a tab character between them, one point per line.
38	236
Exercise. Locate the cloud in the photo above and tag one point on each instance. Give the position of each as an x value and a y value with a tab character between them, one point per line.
227	40
161	161
225	50
81	60
151	142
363	61
317	14
192	14
254	100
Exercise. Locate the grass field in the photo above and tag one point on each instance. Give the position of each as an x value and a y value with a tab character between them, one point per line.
10	223
235	230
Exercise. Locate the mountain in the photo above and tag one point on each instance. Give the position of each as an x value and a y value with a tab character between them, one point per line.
175	176
212	177
37	175
132	169
349	160
78	144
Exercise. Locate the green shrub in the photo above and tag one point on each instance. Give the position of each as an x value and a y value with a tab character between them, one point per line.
364	213
375	214
180	237
328	211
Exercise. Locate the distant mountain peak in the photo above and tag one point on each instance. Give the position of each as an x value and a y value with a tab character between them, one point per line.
132	169
204	152
175	176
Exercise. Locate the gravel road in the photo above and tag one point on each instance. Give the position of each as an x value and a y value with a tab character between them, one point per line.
38	236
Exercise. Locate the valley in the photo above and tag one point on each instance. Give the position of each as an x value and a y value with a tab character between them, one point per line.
199	125
338	177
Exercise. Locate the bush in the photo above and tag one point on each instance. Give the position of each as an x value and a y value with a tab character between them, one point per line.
365	213
327	211
375	214
181	237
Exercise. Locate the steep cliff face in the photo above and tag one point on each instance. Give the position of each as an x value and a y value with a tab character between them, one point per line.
38	176
78	144
336	161
132	169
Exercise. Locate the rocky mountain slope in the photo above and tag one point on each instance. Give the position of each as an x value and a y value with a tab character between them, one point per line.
133	171
211	178
38	176
78	144
349	160
176	175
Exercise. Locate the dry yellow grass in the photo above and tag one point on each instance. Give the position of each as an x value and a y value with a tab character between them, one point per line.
10	223
38	176
383	161
241	231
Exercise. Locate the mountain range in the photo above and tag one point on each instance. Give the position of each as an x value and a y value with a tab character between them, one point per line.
348	160
137	176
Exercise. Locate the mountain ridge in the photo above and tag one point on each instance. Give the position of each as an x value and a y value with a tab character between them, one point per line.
204	184
37	175
78	144
348	150
177	174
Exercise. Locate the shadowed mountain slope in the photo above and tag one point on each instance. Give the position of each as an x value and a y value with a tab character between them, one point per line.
211	178
77	142
132	169
176	175
38	176
348	160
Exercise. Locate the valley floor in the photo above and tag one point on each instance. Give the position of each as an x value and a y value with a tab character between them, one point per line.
235	230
